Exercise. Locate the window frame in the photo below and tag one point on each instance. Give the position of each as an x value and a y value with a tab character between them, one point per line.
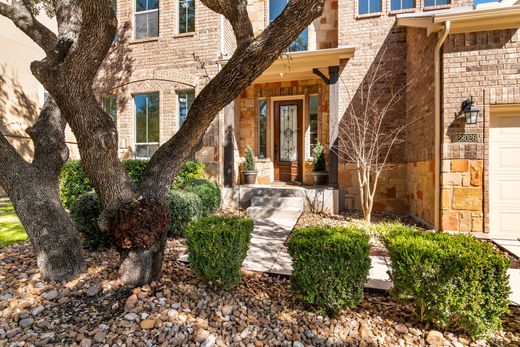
448	3
178	94
318	117
114	97
401	8
369	13
134	21
135	124
179	18
306	30
266	156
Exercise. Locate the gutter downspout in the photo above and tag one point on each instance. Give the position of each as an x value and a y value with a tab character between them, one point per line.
438	130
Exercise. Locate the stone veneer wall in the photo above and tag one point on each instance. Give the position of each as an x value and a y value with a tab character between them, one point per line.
249	121
484	65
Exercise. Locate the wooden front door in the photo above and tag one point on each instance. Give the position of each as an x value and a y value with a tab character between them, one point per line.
288	144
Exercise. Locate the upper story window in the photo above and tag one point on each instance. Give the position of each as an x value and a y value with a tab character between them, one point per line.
369	6
436	2
146	124
109	105
397	5
146	18
184	101
186	16
276	8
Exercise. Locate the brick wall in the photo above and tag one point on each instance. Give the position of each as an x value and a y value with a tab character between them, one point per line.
167	64
485	65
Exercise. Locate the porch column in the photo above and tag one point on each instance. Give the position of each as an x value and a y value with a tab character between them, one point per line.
333	125
229	145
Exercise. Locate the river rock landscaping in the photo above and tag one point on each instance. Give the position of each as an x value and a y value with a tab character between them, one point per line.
181	310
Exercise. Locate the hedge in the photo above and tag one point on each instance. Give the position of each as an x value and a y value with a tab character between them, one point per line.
184	207
217	247
85	212
208	192
74	182
330	266
453	281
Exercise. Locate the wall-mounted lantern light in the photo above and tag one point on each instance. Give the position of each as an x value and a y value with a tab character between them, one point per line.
470	111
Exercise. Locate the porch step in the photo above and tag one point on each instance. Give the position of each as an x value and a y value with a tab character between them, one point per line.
277	202
260	212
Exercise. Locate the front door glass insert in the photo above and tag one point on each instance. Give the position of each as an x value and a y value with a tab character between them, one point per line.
288	133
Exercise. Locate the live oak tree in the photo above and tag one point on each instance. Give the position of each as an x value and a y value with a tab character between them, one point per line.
134	213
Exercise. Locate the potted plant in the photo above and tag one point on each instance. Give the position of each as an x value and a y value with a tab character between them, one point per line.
319	173
249	171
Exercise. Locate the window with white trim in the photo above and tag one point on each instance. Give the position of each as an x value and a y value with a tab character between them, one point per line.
186	16
146	18
313	121
109	105
276	8
369	6
428	3
184	101
396	5
146	124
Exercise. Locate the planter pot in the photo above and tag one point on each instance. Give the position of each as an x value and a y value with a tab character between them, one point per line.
320	178
249	177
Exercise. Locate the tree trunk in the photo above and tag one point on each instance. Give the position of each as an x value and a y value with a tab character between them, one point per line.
52	232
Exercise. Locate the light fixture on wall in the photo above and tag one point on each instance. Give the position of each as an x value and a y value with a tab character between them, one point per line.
470	111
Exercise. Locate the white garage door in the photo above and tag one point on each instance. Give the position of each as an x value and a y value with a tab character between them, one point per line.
504	174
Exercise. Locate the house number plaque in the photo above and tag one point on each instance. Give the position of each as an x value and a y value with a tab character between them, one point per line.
467	138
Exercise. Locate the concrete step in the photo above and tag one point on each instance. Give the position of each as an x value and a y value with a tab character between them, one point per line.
277	202
258	212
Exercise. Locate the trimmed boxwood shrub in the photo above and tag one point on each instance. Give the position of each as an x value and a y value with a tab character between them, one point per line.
73	182
208	192
217	247
330	266
85	212
190	171
184	207
453	281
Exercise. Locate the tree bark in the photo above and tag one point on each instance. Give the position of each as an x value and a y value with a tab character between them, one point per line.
34	190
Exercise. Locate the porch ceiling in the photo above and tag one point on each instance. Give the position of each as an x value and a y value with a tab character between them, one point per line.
464	19
299	65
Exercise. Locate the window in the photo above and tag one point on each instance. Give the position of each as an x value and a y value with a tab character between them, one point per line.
276	8
186	16
185	100
436	2
313	121
109	105
146	18
262	129
114	8
146	124
402	4
369	6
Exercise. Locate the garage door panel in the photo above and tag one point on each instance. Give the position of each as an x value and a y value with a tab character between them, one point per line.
504	175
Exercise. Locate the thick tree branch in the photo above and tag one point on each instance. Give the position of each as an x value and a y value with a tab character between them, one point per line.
21	15
245	66
235	12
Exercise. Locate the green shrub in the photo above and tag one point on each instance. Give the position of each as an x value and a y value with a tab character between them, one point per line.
217	247
318	156
249	163
208	192
453	281
330	266
73	182
190	171
135	168
184	207
85	212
